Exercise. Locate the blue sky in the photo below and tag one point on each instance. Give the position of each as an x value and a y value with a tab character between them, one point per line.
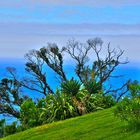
27	24
70	14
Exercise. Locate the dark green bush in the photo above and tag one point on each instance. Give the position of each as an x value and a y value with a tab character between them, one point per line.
10	129
2	125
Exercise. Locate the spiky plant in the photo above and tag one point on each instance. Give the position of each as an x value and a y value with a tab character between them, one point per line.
70	87
92	87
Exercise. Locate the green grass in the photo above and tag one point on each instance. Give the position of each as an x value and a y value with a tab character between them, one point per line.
101	125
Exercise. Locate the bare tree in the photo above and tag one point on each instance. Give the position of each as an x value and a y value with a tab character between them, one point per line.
79	52
104	68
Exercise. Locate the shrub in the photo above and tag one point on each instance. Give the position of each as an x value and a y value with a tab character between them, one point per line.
2	124
129	108
62	105
59	107
93	102
6	130
10	129
31	114
83	102
103	101
134	88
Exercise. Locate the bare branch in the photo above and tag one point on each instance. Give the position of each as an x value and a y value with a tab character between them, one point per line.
79	52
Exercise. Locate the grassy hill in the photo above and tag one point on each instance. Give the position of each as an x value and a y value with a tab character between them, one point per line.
101	125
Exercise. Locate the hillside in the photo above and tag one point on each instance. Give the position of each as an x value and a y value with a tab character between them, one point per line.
101	125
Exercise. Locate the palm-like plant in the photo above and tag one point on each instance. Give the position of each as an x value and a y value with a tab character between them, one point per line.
92	87
70	87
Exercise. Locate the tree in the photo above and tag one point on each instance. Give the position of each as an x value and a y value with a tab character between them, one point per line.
10	95
49	56
100	69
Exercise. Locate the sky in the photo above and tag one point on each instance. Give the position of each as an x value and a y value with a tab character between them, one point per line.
30	24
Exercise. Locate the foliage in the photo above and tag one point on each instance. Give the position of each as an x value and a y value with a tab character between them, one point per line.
134	88
50	56
70	87
62	105
54	107
11	96
10	129
31	114
129	108
2	125
103	101
59	107
92	87
86	102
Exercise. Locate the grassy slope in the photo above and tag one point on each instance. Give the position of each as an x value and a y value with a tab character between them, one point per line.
101	125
